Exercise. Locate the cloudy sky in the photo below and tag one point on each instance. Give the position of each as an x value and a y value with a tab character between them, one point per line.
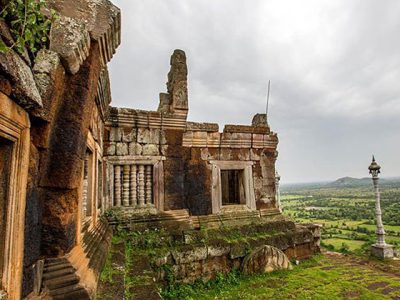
334	68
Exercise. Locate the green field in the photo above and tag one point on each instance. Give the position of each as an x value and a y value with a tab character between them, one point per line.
346	213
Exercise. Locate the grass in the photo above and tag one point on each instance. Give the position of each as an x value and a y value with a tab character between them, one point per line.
319	278
337	243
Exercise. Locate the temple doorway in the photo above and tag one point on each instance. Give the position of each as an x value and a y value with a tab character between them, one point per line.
232	187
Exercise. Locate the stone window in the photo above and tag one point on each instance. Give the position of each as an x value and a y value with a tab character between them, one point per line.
232	187
232	184
136	182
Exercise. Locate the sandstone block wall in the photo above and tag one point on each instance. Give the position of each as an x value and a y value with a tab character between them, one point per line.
65	93
190	151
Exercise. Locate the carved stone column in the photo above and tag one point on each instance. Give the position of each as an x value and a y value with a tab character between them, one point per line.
133	187
117	185
141	186
380	248
149	179
125	193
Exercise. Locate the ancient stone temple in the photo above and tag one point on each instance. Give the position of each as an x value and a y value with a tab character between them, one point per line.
67	158
159	159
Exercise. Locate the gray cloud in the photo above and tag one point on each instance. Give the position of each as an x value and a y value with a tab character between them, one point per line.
334	67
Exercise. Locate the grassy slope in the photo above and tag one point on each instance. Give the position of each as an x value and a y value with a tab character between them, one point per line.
324	277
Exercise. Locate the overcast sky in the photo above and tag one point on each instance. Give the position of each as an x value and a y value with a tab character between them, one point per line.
334	68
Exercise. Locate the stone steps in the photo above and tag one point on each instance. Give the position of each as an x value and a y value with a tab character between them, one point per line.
239	217
64	270
60	280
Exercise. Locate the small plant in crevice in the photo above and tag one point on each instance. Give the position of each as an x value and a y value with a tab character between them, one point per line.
29	26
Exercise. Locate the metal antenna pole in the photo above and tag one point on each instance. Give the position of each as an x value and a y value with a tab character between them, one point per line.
266	111
269	87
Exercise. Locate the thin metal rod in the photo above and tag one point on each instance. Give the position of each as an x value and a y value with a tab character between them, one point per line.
269	86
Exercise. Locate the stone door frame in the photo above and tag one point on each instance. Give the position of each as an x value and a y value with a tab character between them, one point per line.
158	175
96	156
216	189
15	127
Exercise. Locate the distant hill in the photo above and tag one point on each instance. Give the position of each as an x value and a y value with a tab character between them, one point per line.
344	182
365	181
351	181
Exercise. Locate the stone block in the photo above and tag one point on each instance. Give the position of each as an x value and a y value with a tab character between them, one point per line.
135	149
143	136
164	150
24	91
213	139
190	254
163	139
254	154
265	259
218	250
174	137
101	18
49	78
150	149
128	135
115	134
70	38
382	251
225	140
226	154
154	136
111	149
199	139
237	250
121	149
204	154
258	141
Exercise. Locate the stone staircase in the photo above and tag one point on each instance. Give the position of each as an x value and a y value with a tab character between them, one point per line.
60	281
69	277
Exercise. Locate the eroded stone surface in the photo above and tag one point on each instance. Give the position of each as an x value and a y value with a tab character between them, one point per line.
71	40
24	90
265	259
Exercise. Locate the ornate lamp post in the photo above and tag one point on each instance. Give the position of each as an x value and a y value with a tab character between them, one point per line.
278	194
380	248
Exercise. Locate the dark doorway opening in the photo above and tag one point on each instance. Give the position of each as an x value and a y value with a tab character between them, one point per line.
232	187
6	151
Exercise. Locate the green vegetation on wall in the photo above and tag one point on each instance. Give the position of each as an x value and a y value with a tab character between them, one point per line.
29	26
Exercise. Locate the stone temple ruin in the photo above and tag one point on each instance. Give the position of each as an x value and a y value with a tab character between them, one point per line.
68	157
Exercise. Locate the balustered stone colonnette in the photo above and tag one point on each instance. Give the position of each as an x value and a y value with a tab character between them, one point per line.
135	181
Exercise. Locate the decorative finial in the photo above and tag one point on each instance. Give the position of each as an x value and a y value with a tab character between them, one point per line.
374	168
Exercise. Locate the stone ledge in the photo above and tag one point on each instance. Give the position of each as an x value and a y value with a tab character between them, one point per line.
206	127
246	129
